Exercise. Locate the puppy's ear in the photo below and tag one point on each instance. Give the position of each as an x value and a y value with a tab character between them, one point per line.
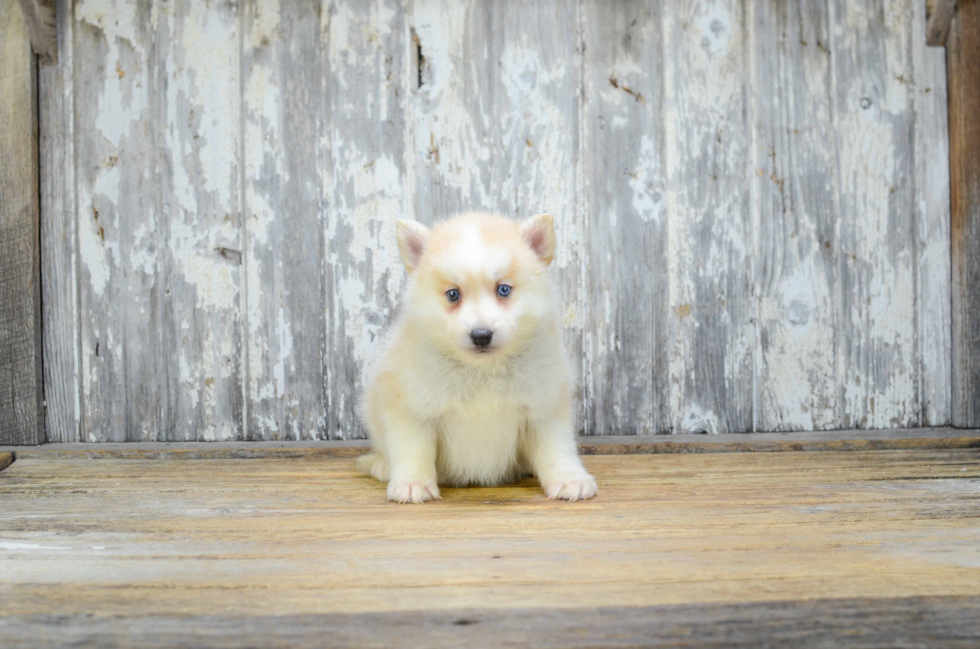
412	238
539	233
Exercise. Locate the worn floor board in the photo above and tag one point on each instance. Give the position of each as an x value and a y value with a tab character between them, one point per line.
761	533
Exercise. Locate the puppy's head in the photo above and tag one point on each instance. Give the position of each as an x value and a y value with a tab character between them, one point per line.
480	292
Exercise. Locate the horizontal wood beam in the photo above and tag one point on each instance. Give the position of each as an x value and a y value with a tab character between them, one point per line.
838	440
963	80
21	386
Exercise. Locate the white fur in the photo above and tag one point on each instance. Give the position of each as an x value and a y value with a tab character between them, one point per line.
440	412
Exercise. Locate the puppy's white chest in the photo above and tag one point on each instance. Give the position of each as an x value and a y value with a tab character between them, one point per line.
478	443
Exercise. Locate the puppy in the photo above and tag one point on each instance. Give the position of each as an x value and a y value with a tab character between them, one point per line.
472	385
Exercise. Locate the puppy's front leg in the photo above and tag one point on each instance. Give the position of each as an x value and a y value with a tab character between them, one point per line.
554	459
412	458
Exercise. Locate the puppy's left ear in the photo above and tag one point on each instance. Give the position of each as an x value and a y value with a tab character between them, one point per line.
412	239
539	233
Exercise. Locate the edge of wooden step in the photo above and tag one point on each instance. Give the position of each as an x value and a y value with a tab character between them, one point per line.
844	440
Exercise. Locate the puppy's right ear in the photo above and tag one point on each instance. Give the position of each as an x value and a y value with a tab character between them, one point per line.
412	238
539	233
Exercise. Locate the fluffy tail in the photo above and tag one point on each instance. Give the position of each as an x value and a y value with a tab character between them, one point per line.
374	465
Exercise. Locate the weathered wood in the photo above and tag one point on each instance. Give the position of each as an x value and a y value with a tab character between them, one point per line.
41	25
874	121
156	143
496	123
710	252
963	76
284	157
940	622
6	459
753	230
939	16
137	541
59	261
626	379
21	381
794	181
852	440
933	317
366	189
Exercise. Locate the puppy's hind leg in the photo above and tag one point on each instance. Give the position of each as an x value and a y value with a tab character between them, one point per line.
374	465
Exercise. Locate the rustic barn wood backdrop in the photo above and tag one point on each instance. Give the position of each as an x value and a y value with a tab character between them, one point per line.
752	202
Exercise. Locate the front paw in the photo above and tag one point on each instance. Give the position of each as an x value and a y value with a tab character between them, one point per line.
402	491
574	487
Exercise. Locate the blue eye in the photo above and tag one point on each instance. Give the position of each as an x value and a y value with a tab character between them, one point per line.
503	290
452	295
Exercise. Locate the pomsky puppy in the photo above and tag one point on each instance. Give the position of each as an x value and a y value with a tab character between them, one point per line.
471	385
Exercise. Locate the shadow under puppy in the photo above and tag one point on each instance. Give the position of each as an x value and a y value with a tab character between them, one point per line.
471	385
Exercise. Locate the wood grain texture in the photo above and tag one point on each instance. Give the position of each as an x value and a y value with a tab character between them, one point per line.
137	540
623	140
939	16
39	15
848	440
796	271
59	241
157	177
932	234
709	263
21	383
963	75
496	123
941	622
283	106
369	71
874	123
119	228
753	229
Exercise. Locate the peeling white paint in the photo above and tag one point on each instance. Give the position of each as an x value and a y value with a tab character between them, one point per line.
648	200
501	121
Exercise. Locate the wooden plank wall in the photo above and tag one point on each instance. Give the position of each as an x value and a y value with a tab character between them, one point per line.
963	66
21	397
752	202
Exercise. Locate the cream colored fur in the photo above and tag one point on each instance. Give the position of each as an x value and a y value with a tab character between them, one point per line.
440	411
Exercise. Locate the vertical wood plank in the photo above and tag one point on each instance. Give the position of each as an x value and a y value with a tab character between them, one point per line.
795	162
156	149
21	386
368	80
963	77
710	249
496	125
875	121
59	277
283	104
624	183
199	101
118	298
933	317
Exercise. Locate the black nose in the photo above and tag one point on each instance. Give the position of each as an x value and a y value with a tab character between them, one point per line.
481	337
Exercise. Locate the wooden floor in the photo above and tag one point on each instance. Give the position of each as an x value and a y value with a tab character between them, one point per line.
856	548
